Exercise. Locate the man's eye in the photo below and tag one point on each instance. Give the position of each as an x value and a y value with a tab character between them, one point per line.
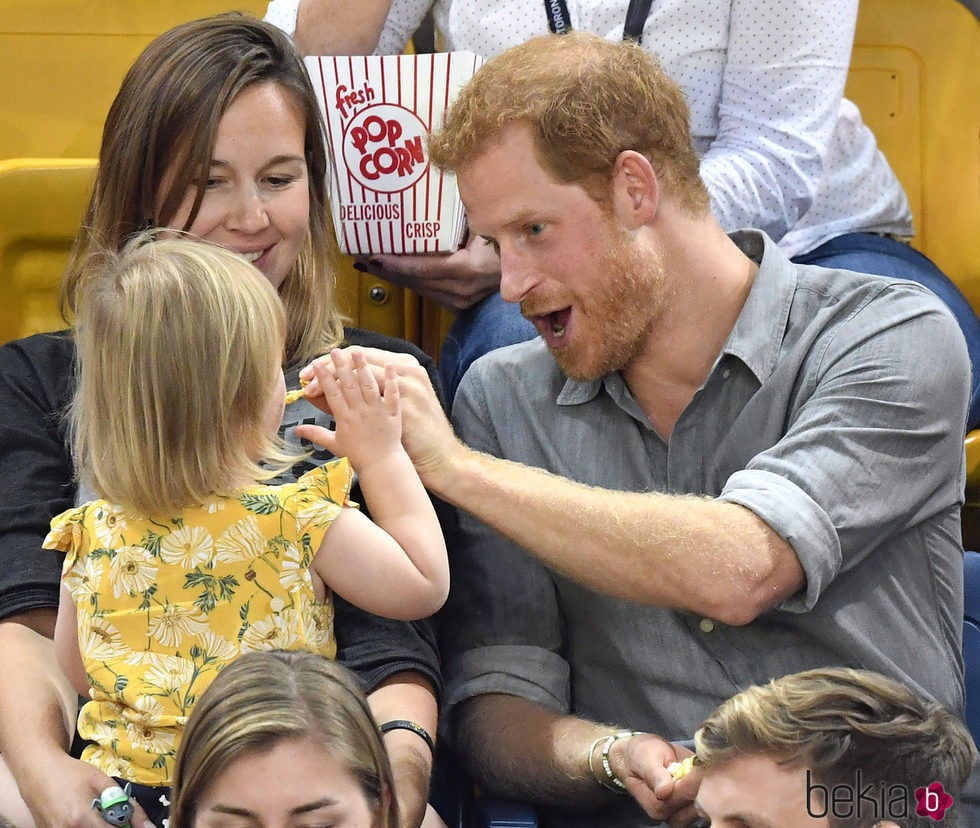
535	229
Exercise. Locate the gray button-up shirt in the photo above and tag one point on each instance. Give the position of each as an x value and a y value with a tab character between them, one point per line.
835	412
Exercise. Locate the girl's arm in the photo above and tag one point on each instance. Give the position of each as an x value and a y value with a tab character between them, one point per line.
66	648
395	566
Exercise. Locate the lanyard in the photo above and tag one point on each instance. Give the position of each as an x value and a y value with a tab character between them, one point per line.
559	21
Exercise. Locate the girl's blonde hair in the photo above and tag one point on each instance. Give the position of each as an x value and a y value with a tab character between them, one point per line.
265	698
164	121
178	345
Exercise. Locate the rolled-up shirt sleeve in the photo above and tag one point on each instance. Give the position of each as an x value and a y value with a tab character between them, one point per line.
875	431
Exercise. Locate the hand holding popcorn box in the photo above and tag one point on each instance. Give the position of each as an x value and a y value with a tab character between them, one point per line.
384	195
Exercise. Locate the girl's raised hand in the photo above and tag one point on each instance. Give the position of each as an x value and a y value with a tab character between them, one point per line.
368	420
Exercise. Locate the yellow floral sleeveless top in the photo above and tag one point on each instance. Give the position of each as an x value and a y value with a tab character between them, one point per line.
163	605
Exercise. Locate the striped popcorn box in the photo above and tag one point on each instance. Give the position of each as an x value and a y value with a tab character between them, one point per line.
384	195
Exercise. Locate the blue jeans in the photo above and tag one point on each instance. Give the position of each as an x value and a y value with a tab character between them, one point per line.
494	323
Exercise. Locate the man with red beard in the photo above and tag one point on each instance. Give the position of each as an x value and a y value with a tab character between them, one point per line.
713	467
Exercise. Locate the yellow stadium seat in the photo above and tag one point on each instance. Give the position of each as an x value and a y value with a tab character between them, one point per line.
914	76
61	64
41	206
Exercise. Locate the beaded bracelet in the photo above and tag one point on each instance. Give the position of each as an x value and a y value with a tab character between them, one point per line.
610	781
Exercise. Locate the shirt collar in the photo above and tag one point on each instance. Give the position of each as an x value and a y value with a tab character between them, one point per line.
755	339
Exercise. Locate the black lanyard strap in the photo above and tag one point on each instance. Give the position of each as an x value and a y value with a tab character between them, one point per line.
636	18
560	22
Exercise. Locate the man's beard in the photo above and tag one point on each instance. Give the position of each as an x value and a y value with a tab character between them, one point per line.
617	314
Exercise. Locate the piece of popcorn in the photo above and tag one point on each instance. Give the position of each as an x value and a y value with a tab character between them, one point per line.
297	393
680	769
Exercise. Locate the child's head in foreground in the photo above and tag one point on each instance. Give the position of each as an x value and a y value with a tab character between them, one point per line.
831	747
278	734
180	387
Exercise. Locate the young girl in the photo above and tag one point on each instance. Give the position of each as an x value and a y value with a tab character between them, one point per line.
188	559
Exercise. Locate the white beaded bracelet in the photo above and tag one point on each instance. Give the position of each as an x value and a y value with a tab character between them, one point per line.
610	782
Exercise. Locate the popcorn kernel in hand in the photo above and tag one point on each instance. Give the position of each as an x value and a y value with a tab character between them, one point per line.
297	393
678	770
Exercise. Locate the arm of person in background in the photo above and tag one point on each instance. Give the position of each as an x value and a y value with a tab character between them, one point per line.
339	27
781	89
343	27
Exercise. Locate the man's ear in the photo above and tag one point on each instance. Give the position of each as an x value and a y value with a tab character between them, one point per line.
635	188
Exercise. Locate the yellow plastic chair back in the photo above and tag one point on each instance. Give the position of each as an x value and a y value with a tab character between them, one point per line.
915	74
41	206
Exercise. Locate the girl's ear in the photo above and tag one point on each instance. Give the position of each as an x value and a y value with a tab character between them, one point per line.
635	189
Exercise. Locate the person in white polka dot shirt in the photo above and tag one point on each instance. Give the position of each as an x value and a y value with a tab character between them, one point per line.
781	149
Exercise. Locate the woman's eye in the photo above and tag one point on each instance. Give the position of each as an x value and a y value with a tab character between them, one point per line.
280	180
492	243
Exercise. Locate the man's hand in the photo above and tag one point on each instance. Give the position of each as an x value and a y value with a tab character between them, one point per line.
368	423
641	762
426	433
455	281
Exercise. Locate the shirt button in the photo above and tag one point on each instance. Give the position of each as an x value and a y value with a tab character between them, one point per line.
726	373
706	625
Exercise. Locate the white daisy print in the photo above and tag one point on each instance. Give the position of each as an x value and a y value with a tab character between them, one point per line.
316	512
242	541
132	571
170	625
217	648
143	729
109	522
278	633
169	673
188	547
317	621
99	641
110	764
293	573
84	578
